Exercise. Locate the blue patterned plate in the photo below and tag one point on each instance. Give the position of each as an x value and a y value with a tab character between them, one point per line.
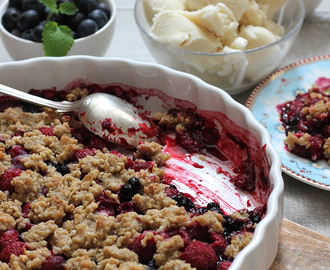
282	86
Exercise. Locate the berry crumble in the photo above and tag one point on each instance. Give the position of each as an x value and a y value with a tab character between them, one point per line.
306	121
71	200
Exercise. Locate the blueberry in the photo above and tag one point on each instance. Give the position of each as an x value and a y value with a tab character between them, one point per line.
16	32
86	6
254	217
232	224
173	186
184	201
105	8
86	28
9	19
59	18
99	17
187	204
33	4
27	34
31	108
63	1
135	184
213	206
37	33
125	192
74	20
74	35
15	3
28	20
61	168
178	199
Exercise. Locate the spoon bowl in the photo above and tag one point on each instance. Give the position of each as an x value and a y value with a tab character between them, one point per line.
103	114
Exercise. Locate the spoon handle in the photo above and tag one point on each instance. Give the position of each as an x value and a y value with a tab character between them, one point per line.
63	107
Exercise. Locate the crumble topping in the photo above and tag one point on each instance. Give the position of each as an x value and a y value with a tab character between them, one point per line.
68	198
306	124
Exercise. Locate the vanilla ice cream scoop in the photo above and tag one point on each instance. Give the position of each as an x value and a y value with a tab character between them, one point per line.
257	36
152	7
217	20
237	7
177	31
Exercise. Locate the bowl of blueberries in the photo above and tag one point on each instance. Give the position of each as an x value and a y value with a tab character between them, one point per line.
36	28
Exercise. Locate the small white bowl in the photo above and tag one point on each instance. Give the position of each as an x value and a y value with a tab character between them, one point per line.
46	72
233	72
93	45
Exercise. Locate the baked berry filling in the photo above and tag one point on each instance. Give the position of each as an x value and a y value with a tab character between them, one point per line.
306	122
82	202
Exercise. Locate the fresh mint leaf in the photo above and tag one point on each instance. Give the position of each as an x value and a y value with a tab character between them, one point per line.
57	40
51	4
68	8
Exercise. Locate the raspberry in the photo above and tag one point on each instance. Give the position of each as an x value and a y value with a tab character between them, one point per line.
107	206
79	154
28	226
206	136
26	209
245	178
219	245
143	166
82	134
8	237
223	265
200	255
187	142
198	232
17	150
184	235
18	133
129	164
172	191
17	248
108	125
48	131
125	207
97	142
145	253
107	211
5	179
167	179
54	262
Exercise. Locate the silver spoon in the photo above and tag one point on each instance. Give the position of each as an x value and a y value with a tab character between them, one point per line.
105	115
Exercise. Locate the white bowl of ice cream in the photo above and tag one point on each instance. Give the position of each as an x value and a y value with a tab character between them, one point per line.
154	88
230	44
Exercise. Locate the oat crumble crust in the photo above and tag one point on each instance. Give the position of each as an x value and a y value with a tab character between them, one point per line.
317	108
91	240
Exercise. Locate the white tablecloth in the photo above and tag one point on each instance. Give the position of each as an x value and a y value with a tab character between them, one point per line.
303	204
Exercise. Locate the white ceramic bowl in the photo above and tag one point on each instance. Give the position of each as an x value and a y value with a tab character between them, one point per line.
45	72
94	45
233	72
310	6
